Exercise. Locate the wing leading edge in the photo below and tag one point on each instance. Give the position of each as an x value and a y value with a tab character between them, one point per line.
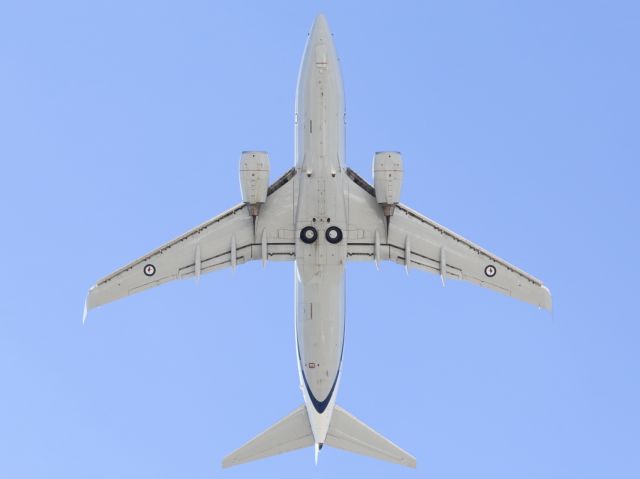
417	241
229	239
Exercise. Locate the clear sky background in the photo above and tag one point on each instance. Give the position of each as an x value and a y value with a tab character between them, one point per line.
121	126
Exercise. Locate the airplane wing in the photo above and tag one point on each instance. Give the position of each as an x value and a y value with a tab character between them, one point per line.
227	240
419	242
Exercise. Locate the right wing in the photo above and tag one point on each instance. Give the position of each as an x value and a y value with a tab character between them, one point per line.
229	239
416	241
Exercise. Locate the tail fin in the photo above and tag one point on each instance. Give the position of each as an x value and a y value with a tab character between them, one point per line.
348	433
291	433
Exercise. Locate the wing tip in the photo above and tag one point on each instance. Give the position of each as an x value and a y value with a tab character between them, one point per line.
85	310
548	301
87	305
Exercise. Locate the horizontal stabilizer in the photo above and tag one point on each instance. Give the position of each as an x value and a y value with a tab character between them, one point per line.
348	433
292	432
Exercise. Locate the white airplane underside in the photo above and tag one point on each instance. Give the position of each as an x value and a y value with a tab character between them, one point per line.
320	215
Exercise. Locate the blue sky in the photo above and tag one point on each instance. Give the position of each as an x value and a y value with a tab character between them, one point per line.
121	126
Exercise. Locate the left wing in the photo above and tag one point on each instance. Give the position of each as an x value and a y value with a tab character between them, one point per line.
416	241
227	240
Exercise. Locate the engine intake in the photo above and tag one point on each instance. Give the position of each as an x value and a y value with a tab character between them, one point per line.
387	179
254	179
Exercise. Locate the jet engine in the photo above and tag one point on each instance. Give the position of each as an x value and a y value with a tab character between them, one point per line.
387	179
254	179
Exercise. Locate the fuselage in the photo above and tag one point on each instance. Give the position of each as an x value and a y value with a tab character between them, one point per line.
321	226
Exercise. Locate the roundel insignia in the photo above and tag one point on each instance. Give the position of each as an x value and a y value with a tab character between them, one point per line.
149	270
490	271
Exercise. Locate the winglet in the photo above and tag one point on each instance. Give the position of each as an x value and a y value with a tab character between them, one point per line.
548	303
86	301
84	313
87	305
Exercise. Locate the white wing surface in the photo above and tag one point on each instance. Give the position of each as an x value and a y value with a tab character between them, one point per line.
416	241
227	240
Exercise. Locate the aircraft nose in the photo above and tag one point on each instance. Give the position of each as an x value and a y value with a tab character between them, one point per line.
320	28
320	46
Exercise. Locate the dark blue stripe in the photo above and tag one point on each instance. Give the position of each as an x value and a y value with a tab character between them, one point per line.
319	406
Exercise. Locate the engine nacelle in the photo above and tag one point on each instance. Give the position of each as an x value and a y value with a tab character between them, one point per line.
387	179
254	179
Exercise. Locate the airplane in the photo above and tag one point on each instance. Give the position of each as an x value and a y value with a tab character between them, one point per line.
320	215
